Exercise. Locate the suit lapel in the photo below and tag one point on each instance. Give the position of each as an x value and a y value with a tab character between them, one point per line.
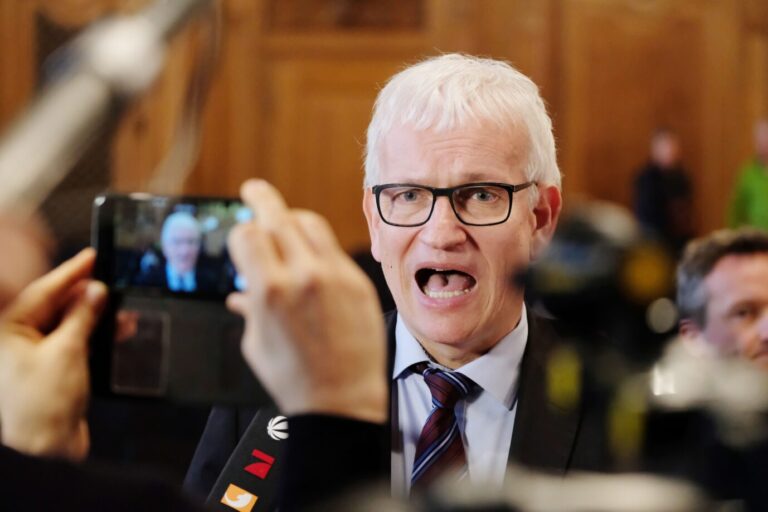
544	433
392	433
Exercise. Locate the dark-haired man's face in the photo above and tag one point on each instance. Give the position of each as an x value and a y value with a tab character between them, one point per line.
737	307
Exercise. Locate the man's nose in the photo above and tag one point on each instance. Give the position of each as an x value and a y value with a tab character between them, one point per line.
443	230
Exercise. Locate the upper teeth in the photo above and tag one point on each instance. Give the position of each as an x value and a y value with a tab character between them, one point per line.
445	295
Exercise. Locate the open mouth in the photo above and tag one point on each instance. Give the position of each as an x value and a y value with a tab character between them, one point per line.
444	283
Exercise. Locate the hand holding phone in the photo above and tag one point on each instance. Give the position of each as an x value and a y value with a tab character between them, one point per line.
314	329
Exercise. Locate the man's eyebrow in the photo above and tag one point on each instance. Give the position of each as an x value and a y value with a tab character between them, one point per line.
742	303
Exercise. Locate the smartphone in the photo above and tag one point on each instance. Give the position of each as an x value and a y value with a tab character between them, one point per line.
166	332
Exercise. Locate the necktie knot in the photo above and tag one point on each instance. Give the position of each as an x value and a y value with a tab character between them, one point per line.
446	387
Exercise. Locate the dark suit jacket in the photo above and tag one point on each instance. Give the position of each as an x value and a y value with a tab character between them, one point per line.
545	435
31	483
206	279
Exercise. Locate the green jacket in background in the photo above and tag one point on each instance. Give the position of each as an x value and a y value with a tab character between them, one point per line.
749	201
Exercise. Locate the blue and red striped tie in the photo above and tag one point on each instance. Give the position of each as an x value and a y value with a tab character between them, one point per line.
440	449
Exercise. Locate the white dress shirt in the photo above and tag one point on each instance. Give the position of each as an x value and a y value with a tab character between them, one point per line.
486	419
179	282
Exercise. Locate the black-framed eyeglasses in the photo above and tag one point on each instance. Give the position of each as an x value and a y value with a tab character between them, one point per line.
475	204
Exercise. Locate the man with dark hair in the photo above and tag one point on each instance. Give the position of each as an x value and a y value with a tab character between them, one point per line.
722	283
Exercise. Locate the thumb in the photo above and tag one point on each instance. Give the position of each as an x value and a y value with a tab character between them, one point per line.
39	303
81	318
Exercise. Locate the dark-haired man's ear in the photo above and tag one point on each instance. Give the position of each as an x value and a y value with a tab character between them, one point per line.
692	337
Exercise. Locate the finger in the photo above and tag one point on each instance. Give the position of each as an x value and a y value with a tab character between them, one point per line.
238	303
81	442
266	203
317	231
78	322
254	254
272	214
42	300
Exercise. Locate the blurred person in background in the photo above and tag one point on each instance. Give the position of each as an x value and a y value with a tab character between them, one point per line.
722	298
662	198
749	201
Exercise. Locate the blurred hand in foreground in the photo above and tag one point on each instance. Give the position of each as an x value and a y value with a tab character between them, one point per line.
314	334
44	381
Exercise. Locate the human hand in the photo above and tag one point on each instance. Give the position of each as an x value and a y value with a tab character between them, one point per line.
314	333
43	361
29	259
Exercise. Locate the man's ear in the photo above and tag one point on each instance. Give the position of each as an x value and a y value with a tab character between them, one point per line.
689	328
546	213
373	220
691	336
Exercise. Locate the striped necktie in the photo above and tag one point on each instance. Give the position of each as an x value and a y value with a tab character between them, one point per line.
440	448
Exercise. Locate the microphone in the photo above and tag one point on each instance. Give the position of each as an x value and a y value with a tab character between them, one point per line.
111	62
252	473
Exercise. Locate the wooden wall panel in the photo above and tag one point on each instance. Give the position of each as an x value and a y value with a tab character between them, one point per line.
325	107
723	122
147	129
17	57
231	144
292	95
629	66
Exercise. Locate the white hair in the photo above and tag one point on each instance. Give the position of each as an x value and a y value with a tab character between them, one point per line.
448	91
178	219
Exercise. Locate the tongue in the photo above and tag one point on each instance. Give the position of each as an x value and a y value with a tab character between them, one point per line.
448	282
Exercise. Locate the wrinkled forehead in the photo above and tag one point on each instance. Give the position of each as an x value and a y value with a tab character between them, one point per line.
739	275
480	149
182	231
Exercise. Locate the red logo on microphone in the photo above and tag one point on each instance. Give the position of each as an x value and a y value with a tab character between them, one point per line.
260	469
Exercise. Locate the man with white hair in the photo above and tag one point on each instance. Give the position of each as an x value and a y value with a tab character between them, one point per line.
181	242
462	192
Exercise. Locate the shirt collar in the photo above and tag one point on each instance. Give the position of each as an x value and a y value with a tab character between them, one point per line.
181	282
496	372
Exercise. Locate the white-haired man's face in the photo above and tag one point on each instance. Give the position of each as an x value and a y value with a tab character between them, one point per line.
453	283
181	247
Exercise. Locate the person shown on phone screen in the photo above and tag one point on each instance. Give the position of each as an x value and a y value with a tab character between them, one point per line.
181	244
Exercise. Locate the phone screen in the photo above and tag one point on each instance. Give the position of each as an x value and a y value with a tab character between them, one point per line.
167	332
175	246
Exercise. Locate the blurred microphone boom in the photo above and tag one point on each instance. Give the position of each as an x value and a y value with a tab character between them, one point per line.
111	61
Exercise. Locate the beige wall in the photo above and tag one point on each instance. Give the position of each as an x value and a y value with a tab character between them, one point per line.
294	89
